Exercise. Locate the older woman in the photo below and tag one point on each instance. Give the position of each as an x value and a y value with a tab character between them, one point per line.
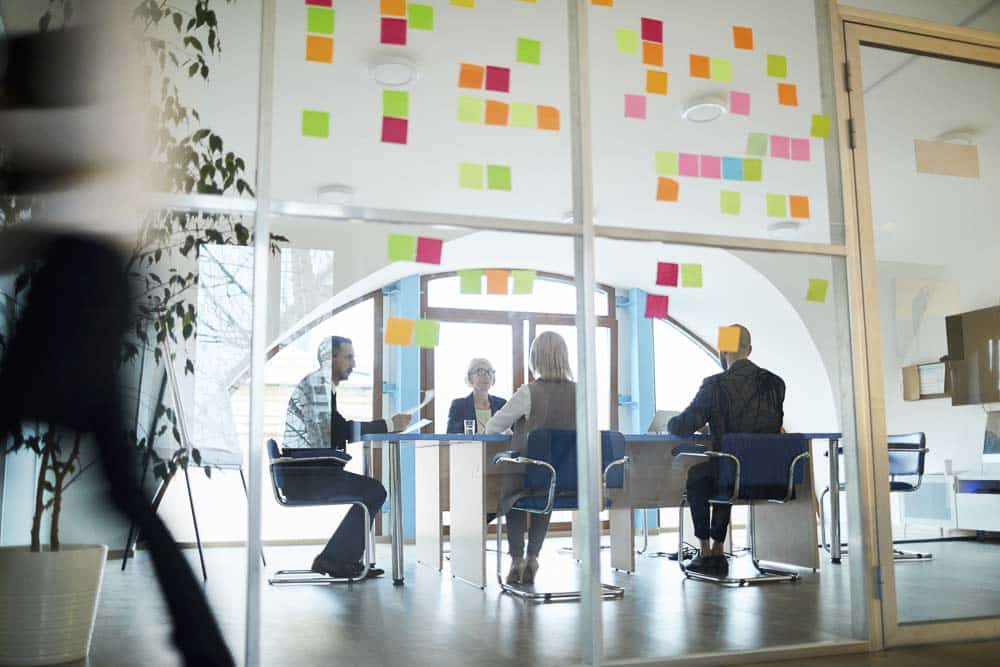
478	405
547	402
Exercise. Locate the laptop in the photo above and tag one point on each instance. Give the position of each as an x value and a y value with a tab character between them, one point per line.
660	420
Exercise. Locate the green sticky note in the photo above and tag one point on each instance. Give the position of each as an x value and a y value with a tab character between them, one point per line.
419	17
666	163
777	206
820	126
627	40
470	109
524	280
523	115
817	290
753	169
426	333
471	281
690	275
729	202
402	248
777	65
319	20
396	103
497	177
315	124
720	69
470	175
529	51
757	144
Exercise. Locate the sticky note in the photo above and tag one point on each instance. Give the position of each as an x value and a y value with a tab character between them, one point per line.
652	30
402	248
756	143
627	41
529	51
817	290
470	175
315	124
732	169
394	130
496	112
471	281
319	20
426	333
603	3
788	94
524	280
729	339
320	3
496	281
420	17
429	250
548	118
392	7
798	206
729	202
470	109
666	274
470	76
753	169
656	82
666	189
721	69
800	149
498	177
399	331
498	79
652	54
710	166
700	66
464	3
777	206
690	275
635	106
739	103
666	163
777	65
820	127
396	103
319	49
523	115
657	305
742	37
688	164
393	31
779	146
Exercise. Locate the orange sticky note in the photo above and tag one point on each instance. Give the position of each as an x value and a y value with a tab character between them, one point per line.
393	7
319	49
496	281
729	339
603	3
399	331
656	82
788	94
798	206
666	189
548	118
470	76
496	112
700	67
742	37
652	54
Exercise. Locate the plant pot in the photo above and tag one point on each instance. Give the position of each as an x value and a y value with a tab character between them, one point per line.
48	603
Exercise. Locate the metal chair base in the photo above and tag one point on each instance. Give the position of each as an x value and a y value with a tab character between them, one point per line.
900	556
290	577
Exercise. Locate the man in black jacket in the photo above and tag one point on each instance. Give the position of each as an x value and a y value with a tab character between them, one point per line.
743	399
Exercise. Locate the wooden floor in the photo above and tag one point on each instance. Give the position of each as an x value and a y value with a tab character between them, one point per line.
981	654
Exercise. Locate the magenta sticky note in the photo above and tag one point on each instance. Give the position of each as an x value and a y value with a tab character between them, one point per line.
394	130
429	250
779	146
687	164
657	305
393	31
666	274
800	149
652	30
711	166
635	106
498	79
739	103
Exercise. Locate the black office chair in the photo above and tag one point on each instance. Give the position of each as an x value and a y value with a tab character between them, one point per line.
284	460
752	468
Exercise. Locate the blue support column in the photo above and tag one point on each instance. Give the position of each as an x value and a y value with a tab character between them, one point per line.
643	384
407	304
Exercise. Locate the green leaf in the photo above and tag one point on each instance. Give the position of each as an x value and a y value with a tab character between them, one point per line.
196	455
178	20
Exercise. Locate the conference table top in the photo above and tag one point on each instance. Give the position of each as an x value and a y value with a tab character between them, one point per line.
500	437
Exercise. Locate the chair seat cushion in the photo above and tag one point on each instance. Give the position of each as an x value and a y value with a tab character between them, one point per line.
538	502
332	499
901	486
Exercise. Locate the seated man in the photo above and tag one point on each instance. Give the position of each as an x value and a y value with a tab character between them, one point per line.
743	399
313	421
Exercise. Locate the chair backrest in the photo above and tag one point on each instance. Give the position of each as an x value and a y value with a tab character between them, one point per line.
558	448
770	464
273	451
907	454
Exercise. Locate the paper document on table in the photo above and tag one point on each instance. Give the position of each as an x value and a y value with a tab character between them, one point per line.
428	397
416	426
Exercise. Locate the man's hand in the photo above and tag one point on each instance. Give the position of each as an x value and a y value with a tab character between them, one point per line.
400	421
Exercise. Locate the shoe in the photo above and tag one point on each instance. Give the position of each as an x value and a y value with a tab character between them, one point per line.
530	568
517	567
374	572
703	564
336	568
720	564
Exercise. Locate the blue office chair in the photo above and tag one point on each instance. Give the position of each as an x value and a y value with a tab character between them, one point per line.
284	460
550	483
752	468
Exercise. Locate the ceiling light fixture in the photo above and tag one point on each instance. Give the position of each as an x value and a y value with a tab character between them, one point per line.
705	109
783	228
394	71
335	193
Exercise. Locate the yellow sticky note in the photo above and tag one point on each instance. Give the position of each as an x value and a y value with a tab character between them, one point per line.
729	339
817	290
399	331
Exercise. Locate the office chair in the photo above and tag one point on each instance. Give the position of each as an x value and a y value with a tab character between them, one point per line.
753	467
550	483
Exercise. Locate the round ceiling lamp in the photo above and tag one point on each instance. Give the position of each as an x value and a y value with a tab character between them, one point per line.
394	71
705	109
335	193
783	228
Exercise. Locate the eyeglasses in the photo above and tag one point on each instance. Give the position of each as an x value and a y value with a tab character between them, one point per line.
485	372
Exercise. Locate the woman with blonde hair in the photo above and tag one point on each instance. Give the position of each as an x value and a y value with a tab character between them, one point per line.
480	405
549	401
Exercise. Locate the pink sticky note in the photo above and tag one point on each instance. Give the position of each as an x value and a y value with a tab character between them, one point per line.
393	31
394	130
652	30
739	103
666	274
779	146
800	149
688	164
635	106
429	250
657	305
498	79
711	166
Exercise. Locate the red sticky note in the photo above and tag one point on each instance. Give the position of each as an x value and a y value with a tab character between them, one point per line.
394	130
429	250
652	30
498	79
657	305
320	3
666	274
394	31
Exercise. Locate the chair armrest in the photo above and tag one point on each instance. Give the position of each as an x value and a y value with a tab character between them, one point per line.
506	457
502	458
315	453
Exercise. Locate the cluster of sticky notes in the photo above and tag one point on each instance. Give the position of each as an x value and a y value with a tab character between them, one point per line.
705	67
319	31
406	332
497	281
708	166
817	290
788	148
517	114
743	37
395	116
407	248
475	176
739	103
667	275
729	339
784	206
657	81
529	51
477	77
315	123
399	15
